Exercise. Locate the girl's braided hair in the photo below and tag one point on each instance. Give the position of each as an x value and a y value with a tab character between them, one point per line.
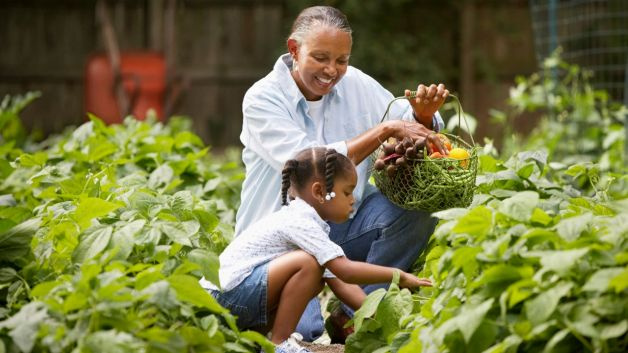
315	162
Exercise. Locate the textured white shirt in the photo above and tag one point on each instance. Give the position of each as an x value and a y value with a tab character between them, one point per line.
277	125
293	227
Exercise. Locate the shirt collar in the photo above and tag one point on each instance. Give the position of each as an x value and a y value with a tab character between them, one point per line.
300	205
283	66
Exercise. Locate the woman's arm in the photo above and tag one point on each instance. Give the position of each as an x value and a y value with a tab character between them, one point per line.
350	294
361	146
357	272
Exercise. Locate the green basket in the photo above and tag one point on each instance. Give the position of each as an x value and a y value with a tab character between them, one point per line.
431	184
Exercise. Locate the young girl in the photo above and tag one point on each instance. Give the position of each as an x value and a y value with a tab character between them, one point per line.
272	270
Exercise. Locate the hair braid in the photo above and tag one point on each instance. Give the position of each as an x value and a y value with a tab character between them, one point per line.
330	168
289	168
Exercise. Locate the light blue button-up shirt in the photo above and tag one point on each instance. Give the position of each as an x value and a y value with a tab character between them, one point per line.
277	126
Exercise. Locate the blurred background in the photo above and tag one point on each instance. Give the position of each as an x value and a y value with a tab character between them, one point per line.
197	58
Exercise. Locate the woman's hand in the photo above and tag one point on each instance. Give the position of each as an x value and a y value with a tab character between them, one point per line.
410	281
418	132
427	101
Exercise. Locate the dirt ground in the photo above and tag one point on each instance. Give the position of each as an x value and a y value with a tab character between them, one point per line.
324	348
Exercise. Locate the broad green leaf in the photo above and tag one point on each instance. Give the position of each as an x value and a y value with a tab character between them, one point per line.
38	159
15	214
148	276
620	282
539	216
161	294
600	280
368	308
471	317
182	201
209	263
6	224
7	274
99	149
260	339
43	288
92	207
395	305
450	214
560	261
190	291
112	341
15	243
24	326
555	340
503	274
187	139
92	242
543	305
520	291
509	344
539	156
160	177
571	228
123	239
526	170
608	331
74	301
180	232
520	206
464	258
477	222
162	340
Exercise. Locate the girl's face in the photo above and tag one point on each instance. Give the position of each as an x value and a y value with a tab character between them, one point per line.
339	208
320	61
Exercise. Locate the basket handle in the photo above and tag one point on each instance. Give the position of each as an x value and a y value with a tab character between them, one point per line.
413	95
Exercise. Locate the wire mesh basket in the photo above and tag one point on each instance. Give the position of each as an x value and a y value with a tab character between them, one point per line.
430	184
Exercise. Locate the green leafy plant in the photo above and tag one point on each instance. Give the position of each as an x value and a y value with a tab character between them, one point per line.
533	265
104	233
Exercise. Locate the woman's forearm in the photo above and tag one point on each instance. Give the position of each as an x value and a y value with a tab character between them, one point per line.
361	146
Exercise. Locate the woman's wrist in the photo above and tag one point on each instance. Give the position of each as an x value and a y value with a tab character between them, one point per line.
428	122
389	129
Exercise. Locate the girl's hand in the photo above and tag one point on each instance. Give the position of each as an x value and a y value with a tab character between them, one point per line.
410	281
428	100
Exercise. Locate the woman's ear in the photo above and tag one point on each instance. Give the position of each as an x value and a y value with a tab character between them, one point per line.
318	191
293	48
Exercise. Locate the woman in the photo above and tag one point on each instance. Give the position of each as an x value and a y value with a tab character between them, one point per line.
312	97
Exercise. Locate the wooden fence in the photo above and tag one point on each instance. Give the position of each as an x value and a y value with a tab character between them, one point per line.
219	48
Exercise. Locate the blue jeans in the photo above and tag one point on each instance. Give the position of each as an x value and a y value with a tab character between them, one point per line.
247	300
380	233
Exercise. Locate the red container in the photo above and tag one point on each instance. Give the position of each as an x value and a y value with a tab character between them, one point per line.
143	79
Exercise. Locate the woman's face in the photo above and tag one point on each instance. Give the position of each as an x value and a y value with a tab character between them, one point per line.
321	60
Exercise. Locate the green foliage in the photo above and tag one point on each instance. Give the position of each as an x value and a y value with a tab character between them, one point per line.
532	265
104	233
11	128
577	123
539	261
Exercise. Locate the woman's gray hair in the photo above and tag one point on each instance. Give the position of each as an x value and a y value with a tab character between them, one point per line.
315	17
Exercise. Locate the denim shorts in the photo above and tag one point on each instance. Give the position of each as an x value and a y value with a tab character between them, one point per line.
247	300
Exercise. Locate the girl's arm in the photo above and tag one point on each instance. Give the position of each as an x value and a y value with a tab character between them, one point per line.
350	294
357	272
